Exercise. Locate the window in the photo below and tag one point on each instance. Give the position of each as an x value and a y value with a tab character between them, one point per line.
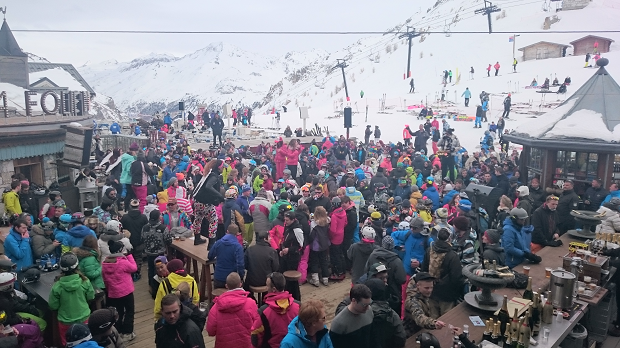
578	166
535	164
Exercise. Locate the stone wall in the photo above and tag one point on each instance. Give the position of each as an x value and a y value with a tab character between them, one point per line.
50	169
7	169
568	5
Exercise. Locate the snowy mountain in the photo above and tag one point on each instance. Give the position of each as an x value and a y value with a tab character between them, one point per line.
215	74
222	73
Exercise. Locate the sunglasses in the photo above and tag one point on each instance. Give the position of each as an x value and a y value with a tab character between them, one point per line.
171	204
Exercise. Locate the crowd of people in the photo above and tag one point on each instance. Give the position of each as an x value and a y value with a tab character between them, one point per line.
395	216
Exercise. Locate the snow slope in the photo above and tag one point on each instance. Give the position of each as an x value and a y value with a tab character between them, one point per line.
458	52
215	74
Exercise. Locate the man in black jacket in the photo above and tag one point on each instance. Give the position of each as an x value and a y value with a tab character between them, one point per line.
133	222
594	195
502	181
29	202
396	271
318	199
367	134
545	222
260	260
421	137
569	201
176	329
351	227
537	193
218	126
379	178
341	152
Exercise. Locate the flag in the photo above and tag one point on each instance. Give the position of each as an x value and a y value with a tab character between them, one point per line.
511	39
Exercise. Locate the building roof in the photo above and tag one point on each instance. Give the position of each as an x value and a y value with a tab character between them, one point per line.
594	104
543	42
8	44
36	67
594	36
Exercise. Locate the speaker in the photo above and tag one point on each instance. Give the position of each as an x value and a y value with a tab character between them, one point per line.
303	112
348	113
181	106
485	197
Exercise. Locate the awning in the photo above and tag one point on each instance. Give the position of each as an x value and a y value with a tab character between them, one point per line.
32	150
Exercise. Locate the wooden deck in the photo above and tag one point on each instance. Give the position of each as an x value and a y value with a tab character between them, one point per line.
143	322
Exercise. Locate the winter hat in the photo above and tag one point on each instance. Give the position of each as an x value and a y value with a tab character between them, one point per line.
387	242
77	333
114	225
613	204
154	215
172	181
523	191
180	176
45	220
448	187
406	204
493	236
377	268
134	203
101	320
378	288
175	265
442	213
246	188
417	224
133	147
375	215
415	188
172	200
461	223
115	246
465	205
513	180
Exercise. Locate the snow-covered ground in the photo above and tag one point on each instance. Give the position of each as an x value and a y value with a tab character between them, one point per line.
223	73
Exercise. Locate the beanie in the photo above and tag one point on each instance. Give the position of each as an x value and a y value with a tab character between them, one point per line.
175	265
115	246
77	333
415	188
465	205
154	215
377	288
101	320
461	223
493	236
387	243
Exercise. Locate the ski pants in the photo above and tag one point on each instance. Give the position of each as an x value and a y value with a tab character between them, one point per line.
412	89
319	263
407	142
215	136
448	166
466	101
496	72
126	309
336	254
506	112
478	122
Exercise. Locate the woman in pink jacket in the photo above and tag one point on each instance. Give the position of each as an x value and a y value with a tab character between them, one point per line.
336	236
116	270
232	316
292	156
280	159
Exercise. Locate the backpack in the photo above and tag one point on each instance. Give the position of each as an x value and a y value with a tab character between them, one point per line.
152	240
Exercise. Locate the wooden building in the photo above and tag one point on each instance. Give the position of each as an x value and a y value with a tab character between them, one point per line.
577	140
543	50
586	44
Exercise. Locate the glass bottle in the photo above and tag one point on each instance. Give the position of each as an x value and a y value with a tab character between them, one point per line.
503	316
547	313
528	294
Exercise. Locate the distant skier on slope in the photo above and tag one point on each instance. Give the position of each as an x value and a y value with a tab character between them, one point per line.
467	95
514	64
412	89
471	73
587	60
450	75
496	66
489	70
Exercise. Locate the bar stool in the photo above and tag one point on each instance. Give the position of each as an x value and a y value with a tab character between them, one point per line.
260	291
292	283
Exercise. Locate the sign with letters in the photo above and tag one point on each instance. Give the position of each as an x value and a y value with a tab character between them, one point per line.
65	103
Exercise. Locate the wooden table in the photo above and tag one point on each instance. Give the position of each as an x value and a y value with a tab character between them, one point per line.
459	315
198	254
42	289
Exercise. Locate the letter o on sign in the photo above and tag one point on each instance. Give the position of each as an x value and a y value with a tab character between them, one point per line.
56	103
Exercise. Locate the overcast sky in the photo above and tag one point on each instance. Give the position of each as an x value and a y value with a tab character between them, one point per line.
180	15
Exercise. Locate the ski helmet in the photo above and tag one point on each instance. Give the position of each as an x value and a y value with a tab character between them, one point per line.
371	209
427	340
66	218
7	281
68	261
403	226
368	232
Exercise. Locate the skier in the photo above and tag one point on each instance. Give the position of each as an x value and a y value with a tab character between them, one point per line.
587	60
471	73
443	94
445	76
595	47
479	112
534	83
249	117
467	95
450	75
377	134
489	70
567	80
514	64
555	82
278	119
545	84
507	103
496	66
562	89
412	89
367	134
